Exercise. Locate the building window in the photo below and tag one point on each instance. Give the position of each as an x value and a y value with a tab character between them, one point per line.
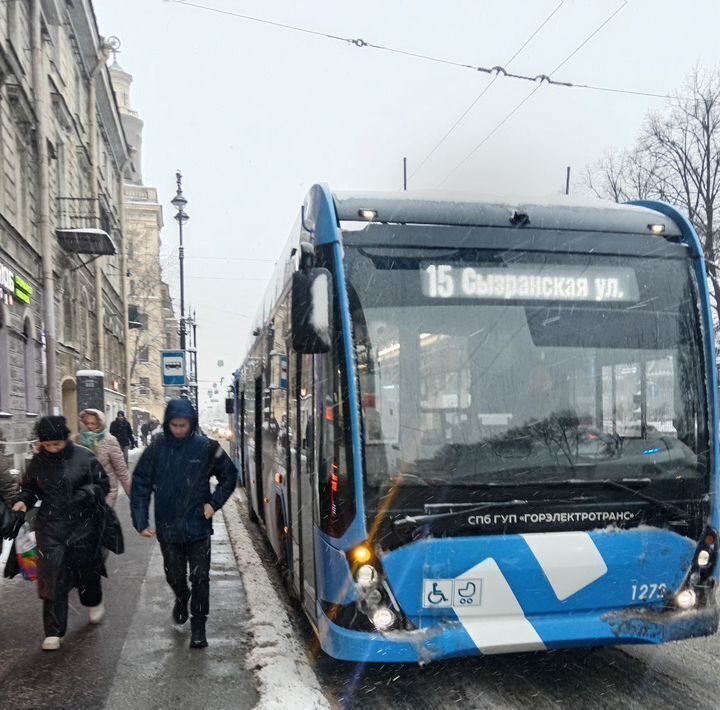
12	21
3	180
144	382
21	183
144	354
60	167
86	334
4	363
29	366
67	311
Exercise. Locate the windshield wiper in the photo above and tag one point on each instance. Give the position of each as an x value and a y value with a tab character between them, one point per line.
435	517
621	486
414	478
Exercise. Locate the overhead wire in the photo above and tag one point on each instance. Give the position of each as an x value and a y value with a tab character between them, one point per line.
496	70
531	94
229	258
483	92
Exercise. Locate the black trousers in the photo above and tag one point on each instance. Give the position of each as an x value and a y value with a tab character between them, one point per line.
55	610
177	557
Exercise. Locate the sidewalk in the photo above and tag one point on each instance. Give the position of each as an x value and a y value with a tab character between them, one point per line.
156	668
285	675
136	659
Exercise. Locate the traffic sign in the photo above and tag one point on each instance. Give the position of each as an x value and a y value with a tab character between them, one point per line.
173	368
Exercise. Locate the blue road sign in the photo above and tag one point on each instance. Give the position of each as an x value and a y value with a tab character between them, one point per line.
173	368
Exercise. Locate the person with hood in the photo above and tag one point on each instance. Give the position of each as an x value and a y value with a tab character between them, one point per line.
106	448
71	485
177	467
122	431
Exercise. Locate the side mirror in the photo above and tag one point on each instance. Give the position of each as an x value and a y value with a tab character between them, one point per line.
312	311
229	405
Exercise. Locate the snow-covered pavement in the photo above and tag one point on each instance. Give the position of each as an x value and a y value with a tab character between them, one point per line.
285	676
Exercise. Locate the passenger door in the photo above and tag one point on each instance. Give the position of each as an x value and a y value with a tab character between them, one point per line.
259	495
304	465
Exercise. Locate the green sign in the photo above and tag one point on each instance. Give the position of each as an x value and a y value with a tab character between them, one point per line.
23	290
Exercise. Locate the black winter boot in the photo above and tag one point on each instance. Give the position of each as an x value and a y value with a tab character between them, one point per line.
197	635
180	611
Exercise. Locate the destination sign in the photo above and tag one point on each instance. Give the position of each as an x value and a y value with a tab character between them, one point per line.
530	282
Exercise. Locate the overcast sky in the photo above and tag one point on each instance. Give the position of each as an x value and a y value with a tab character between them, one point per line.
255	114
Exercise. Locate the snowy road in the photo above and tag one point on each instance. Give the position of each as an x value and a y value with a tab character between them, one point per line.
681	674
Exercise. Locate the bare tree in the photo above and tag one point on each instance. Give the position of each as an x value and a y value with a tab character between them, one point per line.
624	175
676	159
608	177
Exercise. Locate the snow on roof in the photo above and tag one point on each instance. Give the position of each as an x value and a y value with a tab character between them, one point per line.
466	209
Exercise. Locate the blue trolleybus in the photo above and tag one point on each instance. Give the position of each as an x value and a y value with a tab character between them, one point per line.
475	427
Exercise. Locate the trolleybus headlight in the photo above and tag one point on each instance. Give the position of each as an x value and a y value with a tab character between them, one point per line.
365	575
686	599
656	228
703	558
383	619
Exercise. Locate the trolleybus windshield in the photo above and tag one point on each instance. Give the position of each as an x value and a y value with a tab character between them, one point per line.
508	367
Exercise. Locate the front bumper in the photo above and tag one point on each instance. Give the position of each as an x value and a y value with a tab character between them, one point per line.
449	639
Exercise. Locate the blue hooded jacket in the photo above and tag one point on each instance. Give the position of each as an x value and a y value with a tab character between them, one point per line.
178	472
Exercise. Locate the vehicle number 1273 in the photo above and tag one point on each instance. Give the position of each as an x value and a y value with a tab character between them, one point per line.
646	592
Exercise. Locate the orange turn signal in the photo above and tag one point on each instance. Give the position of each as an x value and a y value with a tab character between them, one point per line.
361	554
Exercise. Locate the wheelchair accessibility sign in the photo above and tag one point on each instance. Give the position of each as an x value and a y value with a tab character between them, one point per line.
447	593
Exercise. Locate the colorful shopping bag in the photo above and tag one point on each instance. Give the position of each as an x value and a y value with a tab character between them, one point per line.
27	555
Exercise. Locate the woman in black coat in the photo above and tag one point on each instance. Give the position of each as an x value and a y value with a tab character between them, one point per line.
71	485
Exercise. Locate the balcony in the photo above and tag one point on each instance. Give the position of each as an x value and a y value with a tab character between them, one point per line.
84	226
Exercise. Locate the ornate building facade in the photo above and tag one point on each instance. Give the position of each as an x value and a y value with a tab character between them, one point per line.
63	265
154	327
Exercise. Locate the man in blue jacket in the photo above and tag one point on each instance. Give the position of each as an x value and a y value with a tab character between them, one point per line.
177	467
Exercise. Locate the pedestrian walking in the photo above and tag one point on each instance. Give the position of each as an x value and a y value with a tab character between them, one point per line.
71	485
106	448
122	431
155	429
177	467
144	431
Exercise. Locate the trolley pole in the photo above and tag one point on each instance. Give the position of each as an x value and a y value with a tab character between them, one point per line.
196	381
179	203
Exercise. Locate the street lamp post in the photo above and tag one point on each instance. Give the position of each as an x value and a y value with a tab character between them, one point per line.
179	203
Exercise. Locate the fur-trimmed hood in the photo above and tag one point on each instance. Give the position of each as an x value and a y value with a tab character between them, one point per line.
100	417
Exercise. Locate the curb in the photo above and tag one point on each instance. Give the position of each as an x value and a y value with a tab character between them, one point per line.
285	677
